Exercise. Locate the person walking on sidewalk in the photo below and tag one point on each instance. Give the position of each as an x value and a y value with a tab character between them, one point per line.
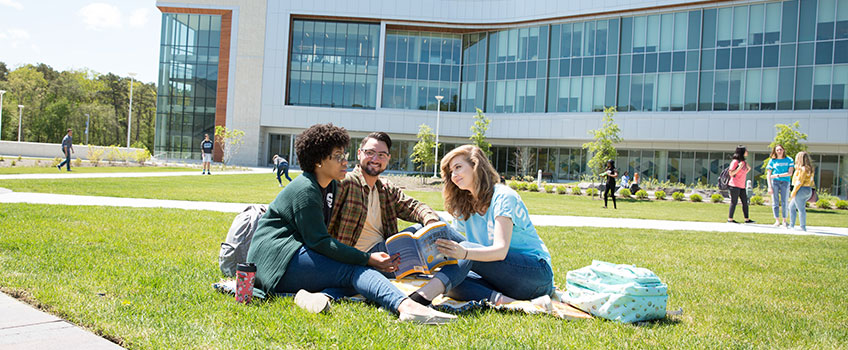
780	169
206	152
803	181
67	148
281	167
739	169
609	191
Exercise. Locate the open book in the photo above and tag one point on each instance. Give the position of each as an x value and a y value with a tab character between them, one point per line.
418	252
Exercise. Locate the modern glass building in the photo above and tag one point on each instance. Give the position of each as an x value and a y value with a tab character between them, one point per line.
690	80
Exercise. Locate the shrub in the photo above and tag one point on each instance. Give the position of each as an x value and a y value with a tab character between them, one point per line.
533	187
561	189
522	186
112	155
591	191
659	195
19	158
625	193
757	200
696	198
549	188
13	163
94	155
513	185
576	190
2	159
841	204
528	178
56	161
717	198
141	156
823	204
78	162
642	194
678	196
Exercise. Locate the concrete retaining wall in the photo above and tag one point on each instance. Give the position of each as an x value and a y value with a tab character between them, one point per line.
53	150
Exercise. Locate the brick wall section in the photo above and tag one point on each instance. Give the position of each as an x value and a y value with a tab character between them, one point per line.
223	64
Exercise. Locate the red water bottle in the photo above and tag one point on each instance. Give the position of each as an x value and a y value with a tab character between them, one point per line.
245	274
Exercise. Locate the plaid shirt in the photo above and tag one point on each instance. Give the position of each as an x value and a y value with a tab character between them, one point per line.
351	208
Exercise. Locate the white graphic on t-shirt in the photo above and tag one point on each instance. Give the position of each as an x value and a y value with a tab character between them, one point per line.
330	200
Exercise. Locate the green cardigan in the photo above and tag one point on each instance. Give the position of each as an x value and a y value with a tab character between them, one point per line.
295	218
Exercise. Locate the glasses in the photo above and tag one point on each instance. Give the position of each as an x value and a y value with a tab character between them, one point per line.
340	157
370	153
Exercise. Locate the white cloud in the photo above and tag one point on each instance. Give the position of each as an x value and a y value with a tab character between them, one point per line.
12	3
99	16
139	17
14	37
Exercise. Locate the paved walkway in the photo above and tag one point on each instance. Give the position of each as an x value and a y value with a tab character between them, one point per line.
24	327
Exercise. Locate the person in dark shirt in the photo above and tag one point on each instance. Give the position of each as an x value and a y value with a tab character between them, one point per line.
612	174
67	148
206	152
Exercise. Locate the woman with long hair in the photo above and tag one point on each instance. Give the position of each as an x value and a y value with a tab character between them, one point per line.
779	173
802	179
508	257
293	251
739	169
609	190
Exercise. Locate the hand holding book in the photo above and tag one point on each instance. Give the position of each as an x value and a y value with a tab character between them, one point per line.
384	262
451	249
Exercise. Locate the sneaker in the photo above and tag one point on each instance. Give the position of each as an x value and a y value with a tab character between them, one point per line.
731	221
59	167
776	223
315	303
202	173
545	302
749	221
785	225
208	173
432	317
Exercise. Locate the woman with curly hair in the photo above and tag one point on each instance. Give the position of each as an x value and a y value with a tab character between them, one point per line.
506	252
293	251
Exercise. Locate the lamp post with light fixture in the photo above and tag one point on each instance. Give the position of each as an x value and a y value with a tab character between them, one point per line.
438	109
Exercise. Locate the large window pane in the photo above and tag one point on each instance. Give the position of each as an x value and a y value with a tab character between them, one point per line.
736	90
839	89
694	30
681	22
721	91
705	100
803	88
825	19
773	23
724	23
786	88
756	24
752	90
807	20
842	19
662	97
653	33
678	88
691	97
769	93
740	26
821	87
640	33
667	32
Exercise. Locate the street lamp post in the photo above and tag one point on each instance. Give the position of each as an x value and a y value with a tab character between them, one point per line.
129	118
20	114
87	118
1	113
438	118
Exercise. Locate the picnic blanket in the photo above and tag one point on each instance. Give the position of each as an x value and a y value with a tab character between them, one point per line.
412	283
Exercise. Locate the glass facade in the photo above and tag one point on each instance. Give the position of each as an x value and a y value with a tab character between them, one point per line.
333	64
188	79
420	66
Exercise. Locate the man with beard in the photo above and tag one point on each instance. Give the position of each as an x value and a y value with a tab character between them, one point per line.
370	211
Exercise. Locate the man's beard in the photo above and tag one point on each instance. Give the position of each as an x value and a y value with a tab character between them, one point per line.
370	170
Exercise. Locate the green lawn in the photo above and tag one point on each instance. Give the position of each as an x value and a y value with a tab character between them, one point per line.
86	169
143	276
263	188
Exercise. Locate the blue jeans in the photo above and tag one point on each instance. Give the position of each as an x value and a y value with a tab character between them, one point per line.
799	204
67	160
779	198
518	276
314	272
450	275
283	169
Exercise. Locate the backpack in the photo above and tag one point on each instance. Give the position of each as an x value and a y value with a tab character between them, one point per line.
234	248
724	179
622	293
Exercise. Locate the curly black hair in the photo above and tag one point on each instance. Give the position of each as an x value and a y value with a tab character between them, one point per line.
317	143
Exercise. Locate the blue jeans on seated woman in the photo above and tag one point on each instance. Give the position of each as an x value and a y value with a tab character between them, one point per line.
450	275
315	272
779	198
518	276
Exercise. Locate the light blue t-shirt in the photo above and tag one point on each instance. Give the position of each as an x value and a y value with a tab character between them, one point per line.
781	166
505	202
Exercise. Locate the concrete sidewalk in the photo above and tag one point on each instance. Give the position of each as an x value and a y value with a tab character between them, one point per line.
24	327
7	196
72	175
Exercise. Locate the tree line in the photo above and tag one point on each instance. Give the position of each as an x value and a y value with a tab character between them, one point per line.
57	100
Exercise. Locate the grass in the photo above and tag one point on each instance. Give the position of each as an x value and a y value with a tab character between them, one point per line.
262	188
104	169
142	277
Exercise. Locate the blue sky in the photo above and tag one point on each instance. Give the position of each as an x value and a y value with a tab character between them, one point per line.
103	36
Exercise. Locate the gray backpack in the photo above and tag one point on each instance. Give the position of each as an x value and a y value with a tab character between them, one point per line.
234	249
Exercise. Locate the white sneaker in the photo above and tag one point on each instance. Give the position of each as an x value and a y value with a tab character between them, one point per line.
432	317
776	223
545	302
315	303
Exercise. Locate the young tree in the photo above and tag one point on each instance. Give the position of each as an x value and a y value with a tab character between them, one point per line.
790	138
422	152
605	138
229	140
523	160
478	132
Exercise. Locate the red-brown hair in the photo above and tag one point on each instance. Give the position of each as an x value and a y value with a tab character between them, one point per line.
461	203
